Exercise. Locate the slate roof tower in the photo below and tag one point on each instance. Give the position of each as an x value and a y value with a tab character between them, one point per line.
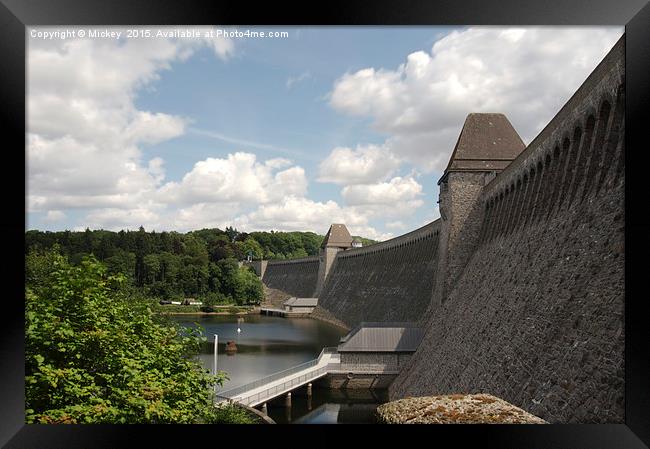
487	144
337	239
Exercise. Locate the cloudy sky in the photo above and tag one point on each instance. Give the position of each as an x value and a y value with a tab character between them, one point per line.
349	125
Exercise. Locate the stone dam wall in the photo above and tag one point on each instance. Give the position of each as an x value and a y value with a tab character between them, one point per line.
296	277
387	281
536	313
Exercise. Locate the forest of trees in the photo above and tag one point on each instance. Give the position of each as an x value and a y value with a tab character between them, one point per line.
200	264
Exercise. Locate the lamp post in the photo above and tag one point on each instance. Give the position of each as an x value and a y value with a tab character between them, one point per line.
216	342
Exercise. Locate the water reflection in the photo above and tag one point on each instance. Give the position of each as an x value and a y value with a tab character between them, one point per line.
328	407
266	345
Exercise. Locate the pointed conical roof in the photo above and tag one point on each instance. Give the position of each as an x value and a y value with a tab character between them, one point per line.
487	142
338	236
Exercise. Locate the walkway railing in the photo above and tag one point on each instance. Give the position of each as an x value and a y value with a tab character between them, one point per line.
289	385
294	381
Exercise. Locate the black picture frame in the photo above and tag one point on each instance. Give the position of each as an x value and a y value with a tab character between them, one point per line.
15	15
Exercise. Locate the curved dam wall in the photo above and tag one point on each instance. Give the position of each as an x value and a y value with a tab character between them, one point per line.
296	277
535	315
387	281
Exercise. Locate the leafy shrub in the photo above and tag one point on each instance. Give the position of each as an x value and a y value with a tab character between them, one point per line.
94	354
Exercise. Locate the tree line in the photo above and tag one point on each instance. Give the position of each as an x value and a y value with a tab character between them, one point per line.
200	264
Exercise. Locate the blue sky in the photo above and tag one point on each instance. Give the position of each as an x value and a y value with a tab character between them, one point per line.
330	124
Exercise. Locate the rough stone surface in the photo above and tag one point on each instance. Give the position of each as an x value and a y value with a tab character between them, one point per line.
387	281
274	298
520	285
296	277
454	409
536	315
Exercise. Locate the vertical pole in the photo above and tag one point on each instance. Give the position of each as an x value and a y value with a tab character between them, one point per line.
287	400
264	409
216	345
309	389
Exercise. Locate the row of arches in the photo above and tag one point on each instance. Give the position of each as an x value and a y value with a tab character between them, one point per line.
576	166
370	251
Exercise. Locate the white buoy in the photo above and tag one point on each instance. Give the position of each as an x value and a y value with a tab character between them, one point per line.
238	330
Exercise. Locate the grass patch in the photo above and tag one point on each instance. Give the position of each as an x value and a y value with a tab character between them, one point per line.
175	308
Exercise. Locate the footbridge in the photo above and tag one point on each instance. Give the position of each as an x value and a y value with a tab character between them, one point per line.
369	356
270	387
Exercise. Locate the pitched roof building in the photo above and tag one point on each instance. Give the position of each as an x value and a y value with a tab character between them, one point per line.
338	236
487	142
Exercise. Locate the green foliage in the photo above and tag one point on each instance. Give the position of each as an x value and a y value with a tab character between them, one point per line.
249	287
94	353
364	241
212	299
234	414
174	266
176	308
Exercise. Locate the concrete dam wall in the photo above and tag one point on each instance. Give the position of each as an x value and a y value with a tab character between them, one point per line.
387	281
534	311
297	277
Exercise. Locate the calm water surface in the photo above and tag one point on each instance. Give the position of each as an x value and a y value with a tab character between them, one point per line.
269	344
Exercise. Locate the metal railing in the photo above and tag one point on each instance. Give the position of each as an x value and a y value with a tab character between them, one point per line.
269	393
233	392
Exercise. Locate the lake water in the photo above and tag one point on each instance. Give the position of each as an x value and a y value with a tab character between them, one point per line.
268	344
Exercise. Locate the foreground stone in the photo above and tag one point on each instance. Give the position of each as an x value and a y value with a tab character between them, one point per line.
454	409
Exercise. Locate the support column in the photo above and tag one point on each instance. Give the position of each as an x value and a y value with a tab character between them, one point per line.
287	400
264	409
309	389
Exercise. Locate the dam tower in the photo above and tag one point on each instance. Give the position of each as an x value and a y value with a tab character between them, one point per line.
337	239
486	145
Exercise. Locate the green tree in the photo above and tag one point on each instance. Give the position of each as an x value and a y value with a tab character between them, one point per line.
232	233
95	355
151	268
249	287
123	262
252	247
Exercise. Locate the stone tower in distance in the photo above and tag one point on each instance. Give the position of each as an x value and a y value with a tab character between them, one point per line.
337	239
486	145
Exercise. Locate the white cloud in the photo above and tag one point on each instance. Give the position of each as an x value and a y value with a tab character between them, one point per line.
302	214
398	197
360	166
397	190
84	130
526	73
237	178
86	134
